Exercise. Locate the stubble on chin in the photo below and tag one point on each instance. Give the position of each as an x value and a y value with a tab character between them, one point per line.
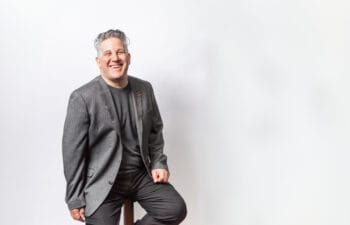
116	80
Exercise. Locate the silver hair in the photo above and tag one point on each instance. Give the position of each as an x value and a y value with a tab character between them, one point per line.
111	34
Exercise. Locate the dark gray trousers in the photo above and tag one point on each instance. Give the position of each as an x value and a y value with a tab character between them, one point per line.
163	204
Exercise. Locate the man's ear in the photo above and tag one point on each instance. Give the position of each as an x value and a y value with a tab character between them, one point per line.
129	58
97	59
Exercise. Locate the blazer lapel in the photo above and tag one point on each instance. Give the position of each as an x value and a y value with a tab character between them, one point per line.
137	95
109	104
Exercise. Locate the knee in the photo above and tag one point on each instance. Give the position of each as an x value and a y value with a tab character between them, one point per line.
182	212
178	212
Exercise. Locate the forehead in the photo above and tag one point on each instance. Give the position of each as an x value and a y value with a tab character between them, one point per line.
111	44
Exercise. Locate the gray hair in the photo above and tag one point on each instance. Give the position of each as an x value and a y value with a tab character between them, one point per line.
111	34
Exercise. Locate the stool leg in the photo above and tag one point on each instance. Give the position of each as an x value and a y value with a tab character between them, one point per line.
128	212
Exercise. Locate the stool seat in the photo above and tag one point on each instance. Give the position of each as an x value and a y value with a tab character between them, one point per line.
128	208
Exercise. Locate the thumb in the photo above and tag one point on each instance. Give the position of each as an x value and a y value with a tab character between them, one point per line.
82	214
155	176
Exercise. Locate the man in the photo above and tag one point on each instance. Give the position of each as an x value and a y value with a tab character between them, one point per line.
113	145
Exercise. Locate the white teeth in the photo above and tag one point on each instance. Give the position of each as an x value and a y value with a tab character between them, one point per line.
116	67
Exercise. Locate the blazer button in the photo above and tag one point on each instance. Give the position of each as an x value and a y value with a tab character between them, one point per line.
110	182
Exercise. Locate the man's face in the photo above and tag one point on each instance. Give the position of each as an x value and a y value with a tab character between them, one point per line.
113	60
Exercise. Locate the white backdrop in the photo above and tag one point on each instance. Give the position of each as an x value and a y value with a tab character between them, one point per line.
254	97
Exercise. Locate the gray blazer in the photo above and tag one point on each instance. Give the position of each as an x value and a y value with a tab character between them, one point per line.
92	148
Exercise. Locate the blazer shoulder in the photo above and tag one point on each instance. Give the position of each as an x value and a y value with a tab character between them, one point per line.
90	88
139	83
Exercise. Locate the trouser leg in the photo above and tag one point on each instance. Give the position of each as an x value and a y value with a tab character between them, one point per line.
108	213
163	204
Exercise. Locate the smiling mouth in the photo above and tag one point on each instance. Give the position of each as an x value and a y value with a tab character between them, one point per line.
116	66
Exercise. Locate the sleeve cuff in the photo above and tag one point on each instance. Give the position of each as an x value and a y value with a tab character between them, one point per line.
76	204
159	165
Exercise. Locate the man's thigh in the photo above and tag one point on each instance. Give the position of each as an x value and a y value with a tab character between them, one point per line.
108	213
161	201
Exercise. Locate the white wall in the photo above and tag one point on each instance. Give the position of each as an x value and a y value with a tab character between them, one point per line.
254	96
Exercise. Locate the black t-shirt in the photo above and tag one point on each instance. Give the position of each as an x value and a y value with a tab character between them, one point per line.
124	106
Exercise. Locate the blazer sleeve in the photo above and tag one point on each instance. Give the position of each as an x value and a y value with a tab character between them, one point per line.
156	141
74	145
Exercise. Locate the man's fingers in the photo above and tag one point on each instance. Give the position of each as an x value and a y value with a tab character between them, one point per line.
78	214
75	213
166	177
163	176
160	175
154	176
157	179
82	214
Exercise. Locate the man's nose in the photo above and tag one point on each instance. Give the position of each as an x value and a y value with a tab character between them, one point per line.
115	57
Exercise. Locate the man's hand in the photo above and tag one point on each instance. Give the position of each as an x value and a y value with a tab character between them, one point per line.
78	214
160	175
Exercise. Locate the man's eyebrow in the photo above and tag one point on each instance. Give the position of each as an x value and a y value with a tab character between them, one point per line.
119	49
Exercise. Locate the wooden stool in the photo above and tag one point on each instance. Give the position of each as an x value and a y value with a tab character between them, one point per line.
128	209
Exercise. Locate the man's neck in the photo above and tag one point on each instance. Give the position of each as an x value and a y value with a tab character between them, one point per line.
117	83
